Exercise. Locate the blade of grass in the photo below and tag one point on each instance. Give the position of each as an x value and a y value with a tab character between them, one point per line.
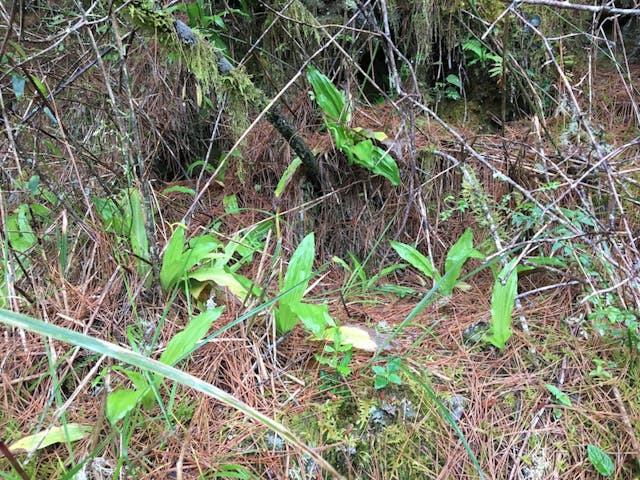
446	414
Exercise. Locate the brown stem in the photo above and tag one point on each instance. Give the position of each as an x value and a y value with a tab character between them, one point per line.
13	460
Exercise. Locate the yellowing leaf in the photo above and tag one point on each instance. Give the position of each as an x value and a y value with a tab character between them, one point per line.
232	281
71	432
358	337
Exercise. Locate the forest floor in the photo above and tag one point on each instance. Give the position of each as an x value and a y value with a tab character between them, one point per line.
516	427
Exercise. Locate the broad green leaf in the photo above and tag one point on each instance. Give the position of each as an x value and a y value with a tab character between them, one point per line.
138	232
295	283
458	254
179	258
462	249
299	269
380	382
19	229
385	165
395	378
182	343
137	378
70	432
454	80
363	152
154	367
200	249
120	402
230	203
143	388
502	301
315	318
415	258
376	160
600	460
172	269
331	100
559	395
180	189
287	175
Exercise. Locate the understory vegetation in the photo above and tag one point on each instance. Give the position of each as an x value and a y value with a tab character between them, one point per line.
314	239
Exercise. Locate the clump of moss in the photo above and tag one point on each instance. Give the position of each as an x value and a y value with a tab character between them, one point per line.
376	433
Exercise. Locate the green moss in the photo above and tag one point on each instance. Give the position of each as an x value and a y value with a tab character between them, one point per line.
391	434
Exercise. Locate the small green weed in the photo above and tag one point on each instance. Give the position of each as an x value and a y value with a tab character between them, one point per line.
387	374
457	256
337	356
477	53
290	307
600	460
122	401
205	260
450	88
355	143
124	216
358	282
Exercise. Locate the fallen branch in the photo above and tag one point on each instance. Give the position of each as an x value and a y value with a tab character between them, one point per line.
588	8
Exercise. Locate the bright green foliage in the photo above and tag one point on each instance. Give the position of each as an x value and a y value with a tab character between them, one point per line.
179	258
315	318
416	259
356	144
19	236
477	53
503	298
295	283
215	261
337	356
600	460
387	374
123	400
332	101
124	216
457	256
558	395
451	88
